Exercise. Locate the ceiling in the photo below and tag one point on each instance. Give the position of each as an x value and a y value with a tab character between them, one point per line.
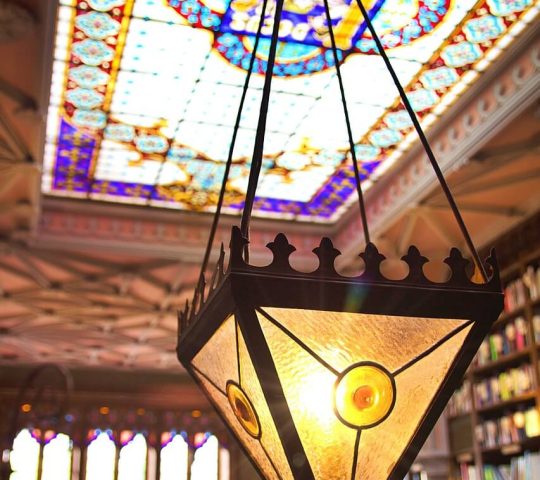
87	281
144	96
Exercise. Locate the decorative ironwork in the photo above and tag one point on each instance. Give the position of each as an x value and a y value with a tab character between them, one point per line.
281	248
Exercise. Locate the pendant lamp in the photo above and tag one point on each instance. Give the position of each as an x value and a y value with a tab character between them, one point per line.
321	376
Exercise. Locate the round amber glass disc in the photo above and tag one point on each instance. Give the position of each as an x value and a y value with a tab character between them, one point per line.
364	395
243	409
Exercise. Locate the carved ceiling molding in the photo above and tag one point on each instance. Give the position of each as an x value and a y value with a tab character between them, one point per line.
151	233
490	107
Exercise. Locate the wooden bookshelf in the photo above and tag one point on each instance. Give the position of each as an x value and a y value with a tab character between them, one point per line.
473	423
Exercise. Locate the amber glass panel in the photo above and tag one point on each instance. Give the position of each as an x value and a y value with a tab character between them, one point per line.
309	387
218	359
269	436
342	338
382	446
252	445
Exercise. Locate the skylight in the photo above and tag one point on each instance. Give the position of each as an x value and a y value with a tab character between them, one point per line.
144	95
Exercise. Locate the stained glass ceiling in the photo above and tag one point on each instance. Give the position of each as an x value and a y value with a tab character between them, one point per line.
144	95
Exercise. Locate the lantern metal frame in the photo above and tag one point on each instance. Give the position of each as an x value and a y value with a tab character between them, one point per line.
241	289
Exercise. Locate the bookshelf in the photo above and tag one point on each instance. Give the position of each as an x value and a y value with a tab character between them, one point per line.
493	418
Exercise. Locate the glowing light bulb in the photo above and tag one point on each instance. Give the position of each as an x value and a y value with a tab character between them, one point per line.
364	395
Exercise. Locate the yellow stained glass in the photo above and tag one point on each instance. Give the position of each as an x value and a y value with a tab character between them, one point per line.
252	445
217	359
389	340
269	436
364	396
381	447
309	388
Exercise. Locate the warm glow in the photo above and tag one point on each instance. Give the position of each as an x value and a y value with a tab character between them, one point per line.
364	395
315	395
26	407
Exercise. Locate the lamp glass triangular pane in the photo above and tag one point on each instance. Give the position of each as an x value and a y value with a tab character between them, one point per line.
343	338
416	388
309	361
218	360
308	388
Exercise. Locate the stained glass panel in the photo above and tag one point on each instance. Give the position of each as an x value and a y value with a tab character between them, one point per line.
140	87
174	460
132	461
57	458
24	457
205	461
100	458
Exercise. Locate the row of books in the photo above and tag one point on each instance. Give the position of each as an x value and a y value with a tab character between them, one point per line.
527	286
526	467
504	386
509	429
467	472
460	403
512	338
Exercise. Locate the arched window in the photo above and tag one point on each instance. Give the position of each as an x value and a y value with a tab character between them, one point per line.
205	461
173	458
101	460
101	455
57	458
132	462
24	457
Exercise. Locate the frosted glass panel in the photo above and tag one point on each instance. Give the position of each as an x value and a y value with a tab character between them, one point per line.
174	460
24	457
217	359
57	459
205	461
269	436
132	462
100	458
389	340
309	387
380	447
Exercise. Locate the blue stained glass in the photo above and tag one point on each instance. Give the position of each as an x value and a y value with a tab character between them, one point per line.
111	133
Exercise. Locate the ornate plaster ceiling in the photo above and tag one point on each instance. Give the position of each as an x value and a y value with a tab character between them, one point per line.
93	283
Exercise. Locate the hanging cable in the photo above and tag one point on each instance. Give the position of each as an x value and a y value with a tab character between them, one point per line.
256	161
348	123
228	164
425	144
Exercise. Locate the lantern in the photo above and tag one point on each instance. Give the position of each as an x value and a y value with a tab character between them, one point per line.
326	377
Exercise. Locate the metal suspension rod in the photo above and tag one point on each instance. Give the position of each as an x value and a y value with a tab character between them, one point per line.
256	161
219	205
348	123
425	144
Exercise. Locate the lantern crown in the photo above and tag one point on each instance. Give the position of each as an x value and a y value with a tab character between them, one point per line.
459	278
